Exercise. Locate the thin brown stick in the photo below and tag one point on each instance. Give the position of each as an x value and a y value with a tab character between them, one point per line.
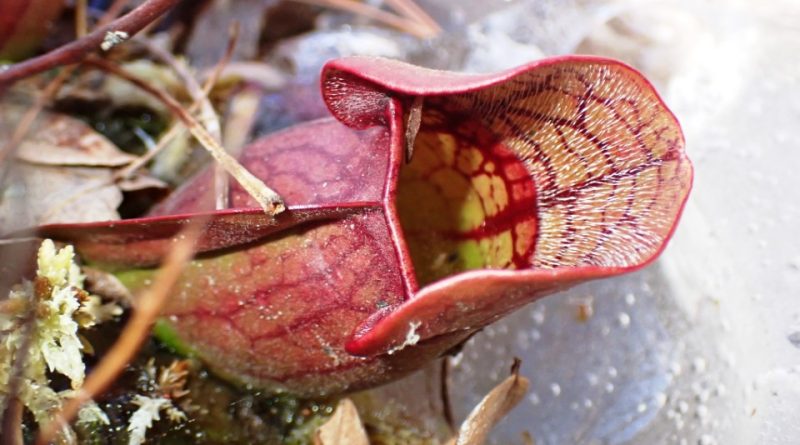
270	201
395	21
28	119
81	18
447	407
145	312
11	427
77	50
50	91
177	128
208	115
413	11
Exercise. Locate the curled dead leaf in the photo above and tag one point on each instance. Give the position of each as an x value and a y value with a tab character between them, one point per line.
492	409
343	428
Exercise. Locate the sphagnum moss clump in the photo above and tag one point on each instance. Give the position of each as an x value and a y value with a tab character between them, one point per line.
57	305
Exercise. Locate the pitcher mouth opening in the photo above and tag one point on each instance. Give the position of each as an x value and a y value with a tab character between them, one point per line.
465	201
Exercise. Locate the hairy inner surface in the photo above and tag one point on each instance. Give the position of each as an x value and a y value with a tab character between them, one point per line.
465	201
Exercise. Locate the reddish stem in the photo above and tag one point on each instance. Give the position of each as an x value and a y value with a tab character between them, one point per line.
76	50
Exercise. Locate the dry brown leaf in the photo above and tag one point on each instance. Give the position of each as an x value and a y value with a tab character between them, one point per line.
41	194
259	73
491	410
343	428
140	182
62	172
57	139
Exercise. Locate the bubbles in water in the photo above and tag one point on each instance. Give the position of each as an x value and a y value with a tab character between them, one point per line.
699	365
702	413
555	388
630	299
624	319
538	316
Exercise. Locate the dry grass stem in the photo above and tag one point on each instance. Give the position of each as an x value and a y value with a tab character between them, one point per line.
200	98
178	128
51	90
208	115
404	24
81	18
412	10
270	201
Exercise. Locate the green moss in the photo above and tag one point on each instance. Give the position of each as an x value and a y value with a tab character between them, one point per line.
169	337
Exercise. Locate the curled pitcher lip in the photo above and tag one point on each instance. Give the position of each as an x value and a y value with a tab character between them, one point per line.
430	205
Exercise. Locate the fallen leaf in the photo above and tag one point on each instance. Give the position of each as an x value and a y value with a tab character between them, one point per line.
38	194
492	409
62	171
343	428
140	182
63	140
258	73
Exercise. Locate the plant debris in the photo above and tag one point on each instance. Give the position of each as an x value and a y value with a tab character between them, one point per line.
169	386
492	409
343	428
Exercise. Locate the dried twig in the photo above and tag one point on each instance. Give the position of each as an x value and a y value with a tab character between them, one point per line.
177	128
492	409
207	114
25	124
147	309
51	90
81	18
270	201
447	407
12	419
413	11
410	26
77	50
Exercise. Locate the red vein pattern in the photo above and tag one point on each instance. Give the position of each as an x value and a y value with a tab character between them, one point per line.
606	159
